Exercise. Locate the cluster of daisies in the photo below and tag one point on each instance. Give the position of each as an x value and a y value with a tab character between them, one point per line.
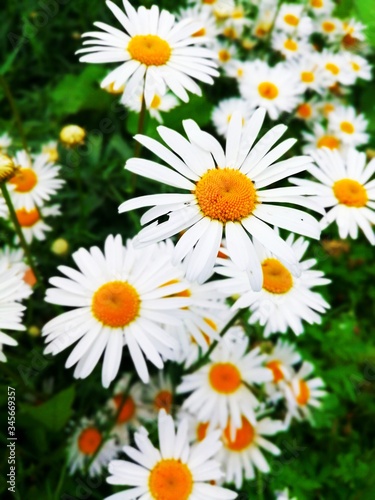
221	253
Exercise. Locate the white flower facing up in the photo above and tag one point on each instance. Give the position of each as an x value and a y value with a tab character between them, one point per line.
120	297
291	19
218	388
349	126
290	46
35	181
285	300
359	66
321	7
153	49
310	73
225	193
344	187
175	471
337	68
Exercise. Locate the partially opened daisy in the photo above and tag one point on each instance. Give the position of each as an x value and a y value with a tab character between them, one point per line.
344	186
225	193
175	471
119	298
154	49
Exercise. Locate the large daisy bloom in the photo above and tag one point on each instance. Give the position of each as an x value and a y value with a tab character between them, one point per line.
225	193
285	299
344	187
120	297
35	180
153	49
175	471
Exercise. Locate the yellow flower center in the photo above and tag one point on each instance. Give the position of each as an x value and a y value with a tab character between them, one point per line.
290	45
328	141
200	32
318	4
277	372
304	393
304	110
116	304
163	400
333	68
25	180
224	55
350	193
29	277
156	101
268	90
230	32
226	195
291	19
201	430
150	50
209	2
355	66
170	480
89	441
276	277
27	218
127	408
307	76
225	378
328	108
347	127
243	438
328	26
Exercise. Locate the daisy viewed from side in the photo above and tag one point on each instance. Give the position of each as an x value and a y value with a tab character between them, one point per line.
225	193
120	298
281	360
175	471
153	49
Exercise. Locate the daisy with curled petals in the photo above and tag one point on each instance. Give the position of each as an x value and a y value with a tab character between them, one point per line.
349	126
36	179
344	187
176	471
220	388
336	68
120	297
154	49
225	193
285	299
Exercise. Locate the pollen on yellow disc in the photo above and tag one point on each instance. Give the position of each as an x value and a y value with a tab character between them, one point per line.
225	378
127	408
29	277
27	218
304	110
150	50
307	76
24	180
278	374
243	438
276	277
350	193
156	101
328	141
268	90
201	430
170	480
200	32
304	393
163	400
89	440
291	19
224	55
347	127
226	195
333	68
116	304
328	26
291	45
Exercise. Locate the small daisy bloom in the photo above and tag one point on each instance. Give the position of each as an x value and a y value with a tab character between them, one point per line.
86	442
307	111
176	471
301	394
35	181
226	53
354	34
274	88
291	19
310	73
218	388
220	8
336	67
290	46
359	66
153	49
32	221
330	27
223	112
160	104
225	193
120	297
349	126
265	20
159	394
5	142
204	16
319	138
321	7
281	361
344	187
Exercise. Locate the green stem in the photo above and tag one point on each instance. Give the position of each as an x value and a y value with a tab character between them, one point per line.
17	227
260	485
61	481
15	112
204	359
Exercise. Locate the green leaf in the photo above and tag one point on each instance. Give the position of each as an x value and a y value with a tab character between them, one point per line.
365	11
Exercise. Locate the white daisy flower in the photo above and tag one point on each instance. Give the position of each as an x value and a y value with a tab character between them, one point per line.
359	66
32	221
220	388
344	186
290	46
223	112
307	111
159	394
220	8
226	53
349	126
5	142
35	181
87	441
154	49
291	19
203	15
281	360
265	18
12	258
236	69
236	22
176	471
310	73
160	103
330	27
225	192
321	7
276	89
336	67
120	297
354	34
320	138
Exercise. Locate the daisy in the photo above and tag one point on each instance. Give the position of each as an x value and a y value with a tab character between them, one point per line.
159	394
224	193
354	33
349	126
274	88
306	111
281	361
285	300
12	258
220	8
86	442
222	113
301	394
153	49
32	221
205	17
176	471
321	138
321	7
265	19
120	297
220	389
159	104
310	73
359	66
291	19
336	68
226	53
344	186
35	181
289	46
5	142
330	27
